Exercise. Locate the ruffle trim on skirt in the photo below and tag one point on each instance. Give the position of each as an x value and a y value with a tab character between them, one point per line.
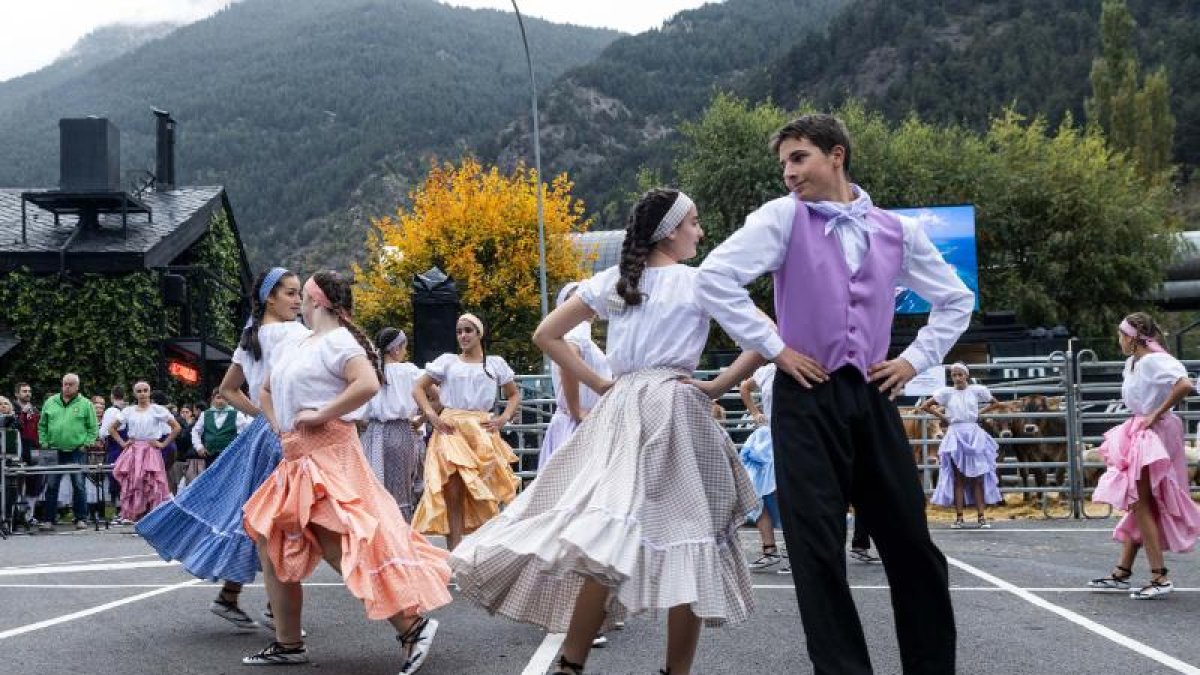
540	563
143	480
202	526
480	459
387	565
1128	450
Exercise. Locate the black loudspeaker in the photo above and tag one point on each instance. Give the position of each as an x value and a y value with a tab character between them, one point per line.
174	290
89	155
433	332
435	312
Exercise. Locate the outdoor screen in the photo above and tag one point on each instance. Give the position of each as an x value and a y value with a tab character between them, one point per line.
952	230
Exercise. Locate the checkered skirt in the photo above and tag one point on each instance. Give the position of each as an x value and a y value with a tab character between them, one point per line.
645	498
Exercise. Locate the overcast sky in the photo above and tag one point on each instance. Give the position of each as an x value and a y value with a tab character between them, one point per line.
35	32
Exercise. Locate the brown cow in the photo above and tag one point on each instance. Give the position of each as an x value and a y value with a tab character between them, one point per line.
1048	451
917	429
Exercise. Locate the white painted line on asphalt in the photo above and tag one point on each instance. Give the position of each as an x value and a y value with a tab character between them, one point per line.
208	585
85	586
1001	530
540	662
1079	620
989	589
77	562
29	628
103	567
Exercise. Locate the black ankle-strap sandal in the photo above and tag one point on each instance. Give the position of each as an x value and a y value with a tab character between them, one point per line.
1114	580
1159	585
566	667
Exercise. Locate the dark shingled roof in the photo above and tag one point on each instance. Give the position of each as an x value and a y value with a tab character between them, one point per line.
180	217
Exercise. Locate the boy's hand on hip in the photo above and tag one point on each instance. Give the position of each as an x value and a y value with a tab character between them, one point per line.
892	376
803	369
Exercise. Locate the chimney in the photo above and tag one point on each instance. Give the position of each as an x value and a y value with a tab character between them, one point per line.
164	164
89	155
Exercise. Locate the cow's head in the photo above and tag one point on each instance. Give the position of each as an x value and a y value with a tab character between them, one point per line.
1034	403
1003	427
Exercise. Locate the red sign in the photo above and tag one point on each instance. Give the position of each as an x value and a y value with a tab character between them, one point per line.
184	372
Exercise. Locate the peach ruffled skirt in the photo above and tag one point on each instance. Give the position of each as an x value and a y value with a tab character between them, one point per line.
324	480
483	461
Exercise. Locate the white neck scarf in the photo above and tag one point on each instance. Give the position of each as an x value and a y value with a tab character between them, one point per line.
853	214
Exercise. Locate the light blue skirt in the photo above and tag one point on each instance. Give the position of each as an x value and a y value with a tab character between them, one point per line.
202	526
758	458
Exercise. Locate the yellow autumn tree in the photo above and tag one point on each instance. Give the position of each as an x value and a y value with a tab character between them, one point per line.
479	225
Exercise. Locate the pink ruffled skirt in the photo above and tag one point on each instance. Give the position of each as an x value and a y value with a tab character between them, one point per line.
1129	450
143	479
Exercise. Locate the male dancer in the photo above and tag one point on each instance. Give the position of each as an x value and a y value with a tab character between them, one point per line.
836	260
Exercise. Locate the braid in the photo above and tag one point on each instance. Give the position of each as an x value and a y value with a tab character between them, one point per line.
644	218
483	348
382	339
249	340
361	337
337	289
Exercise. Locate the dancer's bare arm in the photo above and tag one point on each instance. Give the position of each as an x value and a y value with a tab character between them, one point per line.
549	338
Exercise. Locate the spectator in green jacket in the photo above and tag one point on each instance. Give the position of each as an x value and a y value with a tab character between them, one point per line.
67	426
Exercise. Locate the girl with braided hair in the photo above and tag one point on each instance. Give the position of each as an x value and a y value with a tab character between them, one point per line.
393	445
1147	475
468	472
202	526
324	502
639	510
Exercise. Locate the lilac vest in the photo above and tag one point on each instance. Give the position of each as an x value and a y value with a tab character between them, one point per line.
824	311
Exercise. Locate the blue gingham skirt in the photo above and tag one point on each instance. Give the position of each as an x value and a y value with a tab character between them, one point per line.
202	526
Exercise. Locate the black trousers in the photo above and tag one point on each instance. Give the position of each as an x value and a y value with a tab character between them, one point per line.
842	443
861	539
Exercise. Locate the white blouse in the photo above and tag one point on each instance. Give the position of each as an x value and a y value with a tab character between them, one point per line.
764	377
308	374
395	399
270	337
1149	383
667	330
962	405
145	425
465	386
593	356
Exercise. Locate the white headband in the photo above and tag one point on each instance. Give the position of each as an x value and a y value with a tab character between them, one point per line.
682	206
960	366
400	339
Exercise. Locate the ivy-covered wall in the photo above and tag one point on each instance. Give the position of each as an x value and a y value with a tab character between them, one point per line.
107	328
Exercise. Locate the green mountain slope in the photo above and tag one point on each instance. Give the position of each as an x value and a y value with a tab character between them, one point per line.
293	103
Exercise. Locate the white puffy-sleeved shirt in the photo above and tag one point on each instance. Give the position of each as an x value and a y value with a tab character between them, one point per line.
145	425
667	330
962	405
395	398
112	415
270	336
764	377
309	373
465	386
1148	382
581	337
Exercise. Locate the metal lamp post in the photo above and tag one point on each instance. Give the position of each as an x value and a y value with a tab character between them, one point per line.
537	165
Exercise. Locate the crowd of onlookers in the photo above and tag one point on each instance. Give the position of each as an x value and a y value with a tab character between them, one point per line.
71	428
